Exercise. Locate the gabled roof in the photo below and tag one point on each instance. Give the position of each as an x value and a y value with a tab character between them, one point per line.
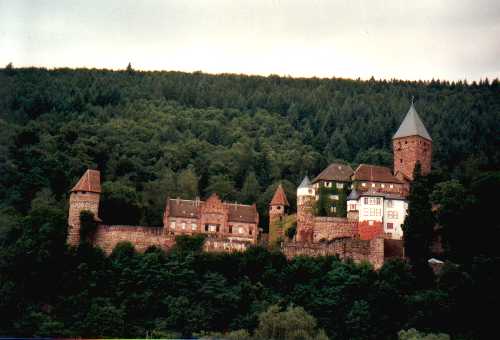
412	125
90	181
335	172
306	183
279	197
183	208
242	212
374	173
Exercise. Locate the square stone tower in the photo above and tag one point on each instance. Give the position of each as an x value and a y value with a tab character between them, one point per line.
410	144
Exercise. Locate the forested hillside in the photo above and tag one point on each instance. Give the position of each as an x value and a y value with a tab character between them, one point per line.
154	134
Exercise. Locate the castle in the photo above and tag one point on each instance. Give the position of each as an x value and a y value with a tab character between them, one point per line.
376	205
374	198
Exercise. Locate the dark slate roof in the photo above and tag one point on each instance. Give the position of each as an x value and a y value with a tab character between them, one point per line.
306	183
335	172
354	195
412	125
279	197
374	173
242	212
183	208
90	181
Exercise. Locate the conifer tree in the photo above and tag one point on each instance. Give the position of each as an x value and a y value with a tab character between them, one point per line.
419	223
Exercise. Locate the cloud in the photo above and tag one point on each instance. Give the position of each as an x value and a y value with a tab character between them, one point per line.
420	40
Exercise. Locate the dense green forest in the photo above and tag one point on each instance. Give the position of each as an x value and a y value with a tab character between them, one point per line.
159	134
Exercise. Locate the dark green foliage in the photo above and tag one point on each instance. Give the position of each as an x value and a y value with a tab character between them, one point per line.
88	225
193	244
419	224
290	232
169	134
120	204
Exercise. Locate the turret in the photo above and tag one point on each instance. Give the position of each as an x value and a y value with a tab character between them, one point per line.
305	212
277	212
85	195
411	144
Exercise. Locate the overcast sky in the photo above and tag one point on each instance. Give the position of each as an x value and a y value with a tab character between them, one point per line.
416	39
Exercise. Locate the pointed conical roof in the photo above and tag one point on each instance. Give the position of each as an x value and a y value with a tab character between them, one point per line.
354	195
412	125
306	183
279	197
90	181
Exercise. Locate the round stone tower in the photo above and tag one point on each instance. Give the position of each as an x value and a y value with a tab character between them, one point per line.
305	211
277	213
85	195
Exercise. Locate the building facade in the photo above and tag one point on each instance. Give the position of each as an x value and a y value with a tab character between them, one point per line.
228	226
377	203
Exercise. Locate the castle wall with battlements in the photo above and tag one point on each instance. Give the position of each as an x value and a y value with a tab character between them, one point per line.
108	236
329	228
371	251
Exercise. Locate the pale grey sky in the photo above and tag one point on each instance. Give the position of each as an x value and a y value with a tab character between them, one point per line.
424	39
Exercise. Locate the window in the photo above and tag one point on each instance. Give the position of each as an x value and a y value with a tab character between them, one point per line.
172	225
373	185
390	204
366	200
382	185
278	207
206	227
374	212
193	226
391	186
183	225
401	160
250	231
340	185
390	225
378	200
310	191
240	230
352	206
334	197
363	184
366	212
230	229
392	214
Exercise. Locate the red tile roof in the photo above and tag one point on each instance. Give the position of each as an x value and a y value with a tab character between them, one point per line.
90	181
374	173
242	212
192	209
335	172
279	197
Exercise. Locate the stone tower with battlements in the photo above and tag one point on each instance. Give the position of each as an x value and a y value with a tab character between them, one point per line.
277	213
85	195
305	211
410	144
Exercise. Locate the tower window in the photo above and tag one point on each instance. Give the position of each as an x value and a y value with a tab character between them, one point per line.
401	160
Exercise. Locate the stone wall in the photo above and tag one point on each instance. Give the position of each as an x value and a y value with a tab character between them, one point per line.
345	248
107	237
329	228
369	230
407	151
79	201
225	245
